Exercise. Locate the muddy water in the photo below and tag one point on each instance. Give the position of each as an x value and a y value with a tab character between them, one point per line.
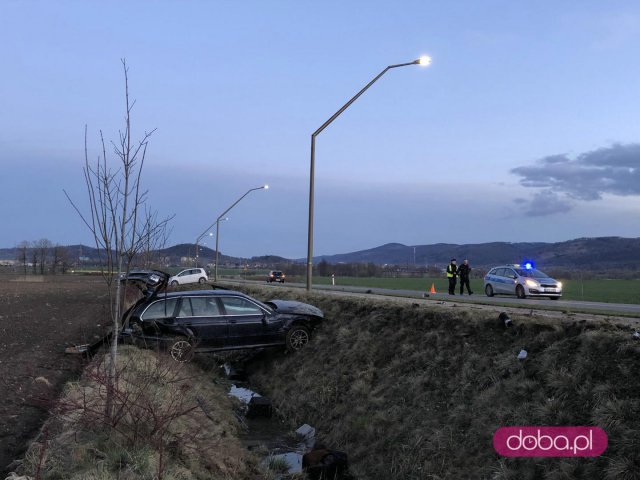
267	435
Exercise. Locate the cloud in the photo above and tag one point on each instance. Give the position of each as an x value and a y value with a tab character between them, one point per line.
613	170
544	203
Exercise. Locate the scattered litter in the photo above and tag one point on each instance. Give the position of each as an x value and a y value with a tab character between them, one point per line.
77	349
243	394
522	355
504	318
15	476
292	459
234	373
307	434
43	381
636	335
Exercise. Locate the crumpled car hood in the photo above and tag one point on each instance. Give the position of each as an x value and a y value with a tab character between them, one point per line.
290	306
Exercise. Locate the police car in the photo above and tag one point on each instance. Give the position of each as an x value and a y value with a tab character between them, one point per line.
522	281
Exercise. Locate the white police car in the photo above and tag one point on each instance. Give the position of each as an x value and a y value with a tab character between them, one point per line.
522	281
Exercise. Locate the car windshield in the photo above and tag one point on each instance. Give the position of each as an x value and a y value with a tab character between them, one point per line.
531	273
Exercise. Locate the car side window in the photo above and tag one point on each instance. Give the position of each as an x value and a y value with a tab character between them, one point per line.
240	306
499	272
204	307
509	273
185	308
160	309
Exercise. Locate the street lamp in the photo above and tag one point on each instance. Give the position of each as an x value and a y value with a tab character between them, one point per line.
264	187
205	233
424	61
198	239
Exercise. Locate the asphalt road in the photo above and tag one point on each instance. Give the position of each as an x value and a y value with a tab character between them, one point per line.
569	305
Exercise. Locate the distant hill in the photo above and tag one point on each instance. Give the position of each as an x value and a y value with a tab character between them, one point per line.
599	253
593	253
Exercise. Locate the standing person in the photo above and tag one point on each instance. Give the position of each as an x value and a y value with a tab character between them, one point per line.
452	273
465	272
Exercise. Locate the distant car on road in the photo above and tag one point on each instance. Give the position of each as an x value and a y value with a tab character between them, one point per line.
275	276
521	281
190	275
211	320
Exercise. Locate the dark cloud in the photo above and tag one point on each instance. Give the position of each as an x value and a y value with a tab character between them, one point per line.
544	203
612	170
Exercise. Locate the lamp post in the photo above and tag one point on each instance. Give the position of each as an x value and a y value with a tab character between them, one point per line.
203	234
424	60
264	187
199	238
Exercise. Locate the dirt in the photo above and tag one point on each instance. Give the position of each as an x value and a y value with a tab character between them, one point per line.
38	320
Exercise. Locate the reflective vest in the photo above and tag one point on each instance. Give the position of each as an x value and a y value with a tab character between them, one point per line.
451	271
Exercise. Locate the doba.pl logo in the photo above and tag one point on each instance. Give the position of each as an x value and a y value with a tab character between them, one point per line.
550	441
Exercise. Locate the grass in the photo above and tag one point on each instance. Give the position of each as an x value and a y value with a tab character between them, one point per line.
411	392
609	291
171	422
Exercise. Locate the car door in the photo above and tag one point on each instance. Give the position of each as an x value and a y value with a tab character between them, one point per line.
499	280
247	321
509	281
159	317
203	316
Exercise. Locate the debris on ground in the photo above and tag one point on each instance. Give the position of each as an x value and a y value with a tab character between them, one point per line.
522	355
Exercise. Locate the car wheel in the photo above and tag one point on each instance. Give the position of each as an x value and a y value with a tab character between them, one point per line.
174	283
489	290
202	280
520	292
297	337
180	349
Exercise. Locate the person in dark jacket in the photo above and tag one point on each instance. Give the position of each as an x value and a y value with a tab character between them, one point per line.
452	274
464	272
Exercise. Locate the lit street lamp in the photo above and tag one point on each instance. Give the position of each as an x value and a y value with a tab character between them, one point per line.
205	233
198	239
424	60
264	187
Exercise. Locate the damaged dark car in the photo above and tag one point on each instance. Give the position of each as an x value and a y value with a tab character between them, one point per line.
187	322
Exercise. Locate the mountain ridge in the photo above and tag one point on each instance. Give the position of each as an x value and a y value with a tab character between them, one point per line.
585	252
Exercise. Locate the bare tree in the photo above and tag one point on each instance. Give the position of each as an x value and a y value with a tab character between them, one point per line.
59	257
118	218
42	247
23	251
34	257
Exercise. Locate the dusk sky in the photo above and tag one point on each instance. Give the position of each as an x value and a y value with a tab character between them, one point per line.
526	127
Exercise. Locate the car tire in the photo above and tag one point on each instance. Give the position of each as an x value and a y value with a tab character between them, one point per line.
520	292
180	349
202	280
488	290
297	337
174	283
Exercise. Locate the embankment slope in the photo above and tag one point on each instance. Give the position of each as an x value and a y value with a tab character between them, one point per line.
416	392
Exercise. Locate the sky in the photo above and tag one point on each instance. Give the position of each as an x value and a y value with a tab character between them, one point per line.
525	127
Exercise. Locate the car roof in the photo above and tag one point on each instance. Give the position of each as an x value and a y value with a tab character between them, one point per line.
200	293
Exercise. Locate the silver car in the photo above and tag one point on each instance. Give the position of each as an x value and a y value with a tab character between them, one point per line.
522	281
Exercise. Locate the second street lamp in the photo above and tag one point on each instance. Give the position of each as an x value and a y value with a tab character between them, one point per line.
424	60
264	187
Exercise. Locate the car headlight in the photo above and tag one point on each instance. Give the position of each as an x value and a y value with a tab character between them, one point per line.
559	284
532	283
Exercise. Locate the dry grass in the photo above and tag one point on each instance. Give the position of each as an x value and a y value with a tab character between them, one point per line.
412	392
172	422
